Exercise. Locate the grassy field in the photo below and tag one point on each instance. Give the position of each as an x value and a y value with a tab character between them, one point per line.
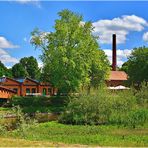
85	135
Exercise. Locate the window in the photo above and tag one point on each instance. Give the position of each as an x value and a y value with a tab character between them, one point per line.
27	90
15	89
33	90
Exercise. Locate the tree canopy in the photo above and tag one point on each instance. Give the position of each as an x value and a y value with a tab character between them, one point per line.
27	66
71	56
4	71
137	65
31	66
18	71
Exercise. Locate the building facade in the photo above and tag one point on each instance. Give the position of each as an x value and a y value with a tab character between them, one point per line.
27	86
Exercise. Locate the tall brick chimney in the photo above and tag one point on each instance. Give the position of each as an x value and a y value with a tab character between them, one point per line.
114	64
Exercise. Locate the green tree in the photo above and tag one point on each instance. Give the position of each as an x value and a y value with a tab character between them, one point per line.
138	65
4	70
71	55
18	71
31	66
125	66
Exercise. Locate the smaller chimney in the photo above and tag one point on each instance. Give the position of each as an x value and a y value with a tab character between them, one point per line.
114	64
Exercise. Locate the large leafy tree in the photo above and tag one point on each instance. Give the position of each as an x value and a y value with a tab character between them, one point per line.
18	71
137	65
71	55
4	71
31	66
27	66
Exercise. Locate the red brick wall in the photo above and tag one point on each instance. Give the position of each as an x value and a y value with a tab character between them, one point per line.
21	87
115	83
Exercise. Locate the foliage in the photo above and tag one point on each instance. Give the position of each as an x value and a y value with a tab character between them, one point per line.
4	71
23	122
39	104
28	66
71	55
137	117
104	107
18	71
125	67
142	95
31	66
137	65
99	107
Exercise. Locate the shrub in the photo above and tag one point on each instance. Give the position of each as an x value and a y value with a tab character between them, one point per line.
137	117
122	103
93	108
29	101
142	95
99	107
23	122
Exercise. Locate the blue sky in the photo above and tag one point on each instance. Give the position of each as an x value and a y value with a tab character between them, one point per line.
129	20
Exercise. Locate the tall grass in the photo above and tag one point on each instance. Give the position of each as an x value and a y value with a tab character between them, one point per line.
103	106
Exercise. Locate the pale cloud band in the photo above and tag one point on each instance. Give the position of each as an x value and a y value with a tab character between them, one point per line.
122	55
4	43
5	57
33	2
121	26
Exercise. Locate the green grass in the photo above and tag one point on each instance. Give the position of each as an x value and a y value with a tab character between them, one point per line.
103	135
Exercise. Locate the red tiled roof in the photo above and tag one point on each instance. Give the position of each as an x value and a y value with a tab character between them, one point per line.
4	88
118	75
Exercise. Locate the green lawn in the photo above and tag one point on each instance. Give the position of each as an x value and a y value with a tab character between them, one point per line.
104	135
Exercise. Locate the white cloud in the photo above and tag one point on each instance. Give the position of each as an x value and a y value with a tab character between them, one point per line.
6	58
121	55
120	26
33	2
145	36
4	43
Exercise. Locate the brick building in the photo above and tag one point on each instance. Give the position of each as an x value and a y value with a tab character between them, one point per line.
116	78
27	86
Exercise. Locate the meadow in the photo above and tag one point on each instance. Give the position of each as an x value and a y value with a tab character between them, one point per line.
115	119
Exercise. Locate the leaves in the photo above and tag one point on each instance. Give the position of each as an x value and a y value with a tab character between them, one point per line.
71	54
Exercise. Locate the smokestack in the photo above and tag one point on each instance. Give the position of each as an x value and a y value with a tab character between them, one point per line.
114	53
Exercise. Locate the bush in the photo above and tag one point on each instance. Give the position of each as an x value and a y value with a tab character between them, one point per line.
142	95
29	101
137	117
122	103
23	122
37	101
99	107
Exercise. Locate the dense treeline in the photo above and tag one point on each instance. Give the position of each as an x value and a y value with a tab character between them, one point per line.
137	65
27	67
